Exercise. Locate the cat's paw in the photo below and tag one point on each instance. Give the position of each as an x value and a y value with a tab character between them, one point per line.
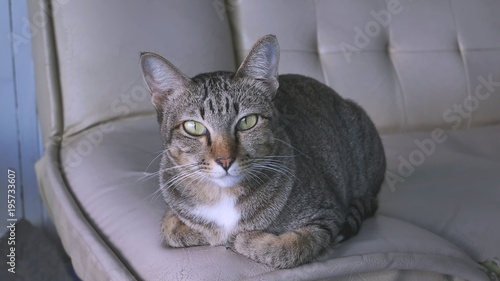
176	234
282	251
264	248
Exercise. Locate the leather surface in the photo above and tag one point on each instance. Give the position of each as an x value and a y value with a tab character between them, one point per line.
453	190
98	46
406	62
434	221
421	71
90	255
46	72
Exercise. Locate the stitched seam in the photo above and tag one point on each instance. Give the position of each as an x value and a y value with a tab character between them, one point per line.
400	84
327	82
464	63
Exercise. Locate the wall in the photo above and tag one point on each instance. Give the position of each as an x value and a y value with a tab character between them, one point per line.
20	143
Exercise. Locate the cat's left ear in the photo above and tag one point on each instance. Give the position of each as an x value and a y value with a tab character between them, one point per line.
162	78
261	63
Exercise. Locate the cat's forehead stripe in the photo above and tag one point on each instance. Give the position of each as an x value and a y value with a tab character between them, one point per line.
227	104
219	105
236	107
211	106
202	112
215	94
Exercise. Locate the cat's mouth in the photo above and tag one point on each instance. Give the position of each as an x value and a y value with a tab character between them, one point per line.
226	180
226	177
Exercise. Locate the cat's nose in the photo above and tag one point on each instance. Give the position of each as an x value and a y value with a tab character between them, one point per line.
225	162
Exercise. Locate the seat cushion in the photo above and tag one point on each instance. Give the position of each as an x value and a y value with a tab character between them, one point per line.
439	221
449	184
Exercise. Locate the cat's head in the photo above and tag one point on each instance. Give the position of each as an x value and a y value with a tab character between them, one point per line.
219	126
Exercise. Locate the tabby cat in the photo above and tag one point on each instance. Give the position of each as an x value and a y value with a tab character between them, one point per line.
276	168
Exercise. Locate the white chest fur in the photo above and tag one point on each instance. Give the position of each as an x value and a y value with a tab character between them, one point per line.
223	213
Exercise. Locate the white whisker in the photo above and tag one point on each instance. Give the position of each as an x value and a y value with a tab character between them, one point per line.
255	176
296	149
274	165
160	154
150	175
280	156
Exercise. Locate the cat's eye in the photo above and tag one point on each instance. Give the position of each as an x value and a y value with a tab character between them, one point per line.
194	128
247	122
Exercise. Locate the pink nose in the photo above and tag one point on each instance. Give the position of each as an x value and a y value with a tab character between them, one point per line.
225	162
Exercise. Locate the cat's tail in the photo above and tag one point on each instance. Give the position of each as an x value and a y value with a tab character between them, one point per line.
359	210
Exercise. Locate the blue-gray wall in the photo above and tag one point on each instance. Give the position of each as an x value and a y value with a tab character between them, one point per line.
20	144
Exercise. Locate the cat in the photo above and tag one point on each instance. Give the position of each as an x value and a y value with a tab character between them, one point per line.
276	168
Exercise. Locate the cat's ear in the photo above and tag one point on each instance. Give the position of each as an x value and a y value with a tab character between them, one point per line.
261	63
162	78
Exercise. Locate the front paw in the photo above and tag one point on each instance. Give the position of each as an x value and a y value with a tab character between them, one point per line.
282	251
260	247
176	234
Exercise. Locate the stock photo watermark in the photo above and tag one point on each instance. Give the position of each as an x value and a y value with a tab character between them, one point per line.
455	117
31	27
364	36
11	220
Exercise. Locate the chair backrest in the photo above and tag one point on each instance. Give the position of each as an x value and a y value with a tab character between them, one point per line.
413	65
90	51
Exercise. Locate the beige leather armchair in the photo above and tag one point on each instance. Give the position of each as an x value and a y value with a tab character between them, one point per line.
427	72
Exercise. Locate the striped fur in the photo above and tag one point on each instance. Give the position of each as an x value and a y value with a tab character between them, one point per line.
304	176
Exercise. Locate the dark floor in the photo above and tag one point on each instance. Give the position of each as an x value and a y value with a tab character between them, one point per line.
37	257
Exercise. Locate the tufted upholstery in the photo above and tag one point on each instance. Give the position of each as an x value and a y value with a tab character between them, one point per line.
414	65
408	62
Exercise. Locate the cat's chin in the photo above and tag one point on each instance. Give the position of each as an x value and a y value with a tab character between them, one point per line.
226	181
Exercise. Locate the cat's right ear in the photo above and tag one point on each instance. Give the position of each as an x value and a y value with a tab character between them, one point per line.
162	78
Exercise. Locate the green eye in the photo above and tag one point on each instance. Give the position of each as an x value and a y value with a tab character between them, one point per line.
247	122
194	128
